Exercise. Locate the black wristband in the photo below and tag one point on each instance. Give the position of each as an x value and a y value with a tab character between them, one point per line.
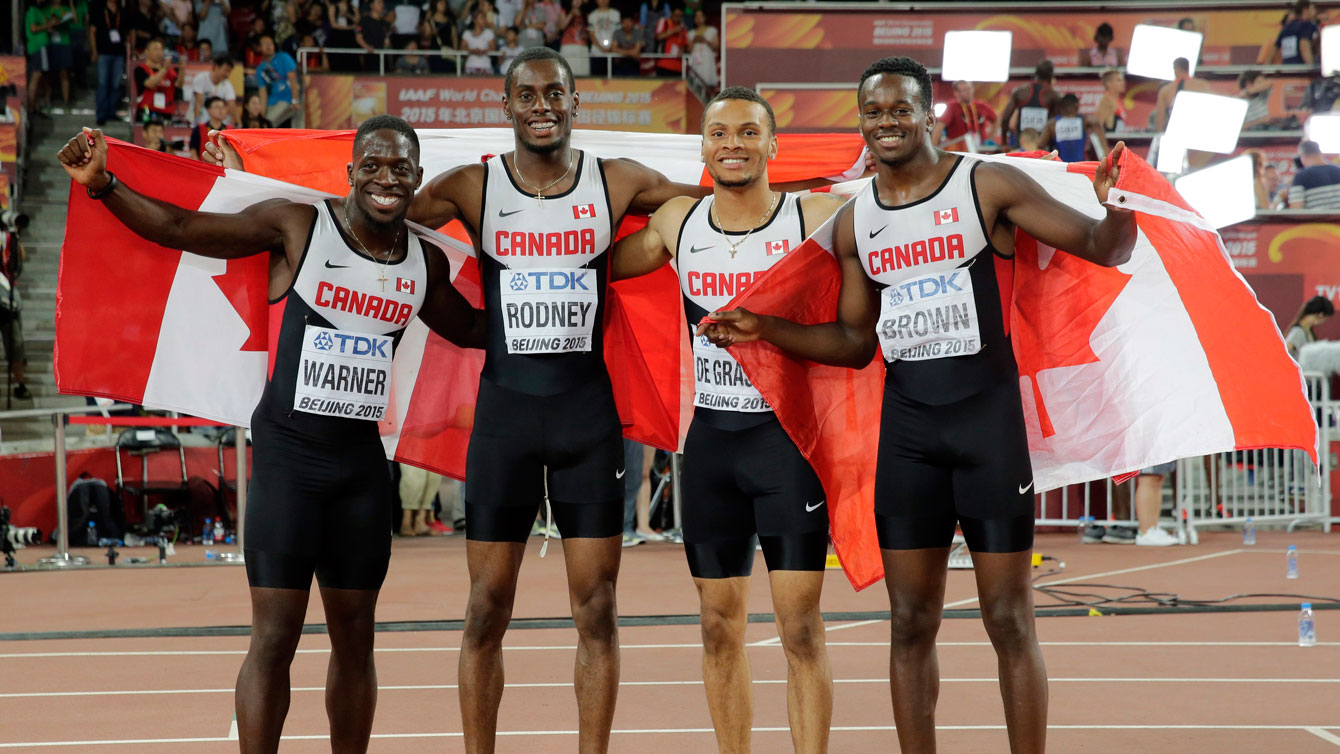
106	190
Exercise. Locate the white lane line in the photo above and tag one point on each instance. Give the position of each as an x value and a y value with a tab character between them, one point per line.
232	729
777	640
1324	735
568	684
662	731
1137	569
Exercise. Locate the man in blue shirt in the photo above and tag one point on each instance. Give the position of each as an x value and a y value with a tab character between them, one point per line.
278	77
1317	185
1297	39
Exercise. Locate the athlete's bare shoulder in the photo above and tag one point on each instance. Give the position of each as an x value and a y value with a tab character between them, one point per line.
817	207
452	182
450	195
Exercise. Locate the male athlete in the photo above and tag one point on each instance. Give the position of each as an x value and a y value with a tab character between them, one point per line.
543	217
952	446
743	476
1032	102
348	277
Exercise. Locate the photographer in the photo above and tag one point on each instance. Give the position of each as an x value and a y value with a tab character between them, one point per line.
12	257
156	83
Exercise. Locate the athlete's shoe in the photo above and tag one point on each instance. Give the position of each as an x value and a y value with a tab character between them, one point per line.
439	529
632	540
1093	534
22	392
1155	537
649	536
1119	535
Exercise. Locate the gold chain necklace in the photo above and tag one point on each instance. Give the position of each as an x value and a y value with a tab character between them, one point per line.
381	274
759	224
539	192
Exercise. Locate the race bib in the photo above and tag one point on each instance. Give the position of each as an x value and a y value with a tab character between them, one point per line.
719	381
160	101
1289	47
56	38
1033	117
929	317
114	36
548	310
1070	129
343	374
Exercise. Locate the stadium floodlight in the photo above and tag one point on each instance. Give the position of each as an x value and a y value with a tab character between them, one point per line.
1171	156
1223	194
1208	122
1154	48
976	56
1330	49
939	108
1325	130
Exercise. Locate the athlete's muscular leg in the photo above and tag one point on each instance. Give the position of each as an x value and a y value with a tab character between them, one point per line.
593	569
916	584
809	679
351	676
1006	593
493	570
262	695
730	695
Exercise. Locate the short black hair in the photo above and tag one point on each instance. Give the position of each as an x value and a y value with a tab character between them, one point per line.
1044	71
386	123
209	101
154	122
538	53
1246	78
1182	64
220	58
901	66
743	93
1068	99
1104	30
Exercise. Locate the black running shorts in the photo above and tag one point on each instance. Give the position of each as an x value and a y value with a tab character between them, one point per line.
517	437
738	484
317	507
963	463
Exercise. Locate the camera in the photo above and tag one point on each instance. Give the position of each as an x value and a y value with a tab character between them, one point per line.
13	220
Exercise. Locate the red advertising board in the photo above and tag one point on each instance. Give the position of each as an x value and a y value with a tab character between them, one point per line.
1288	263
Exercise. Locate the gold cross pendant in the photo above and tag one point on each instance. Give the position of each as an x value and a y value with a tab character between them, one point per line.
732	252
381	278
539	198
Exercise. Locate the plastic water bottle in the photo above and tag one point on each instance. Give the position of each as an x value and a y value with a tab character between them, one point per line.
1084	522
208	537
1292	557
219	533
91	538
1249	533
1307	628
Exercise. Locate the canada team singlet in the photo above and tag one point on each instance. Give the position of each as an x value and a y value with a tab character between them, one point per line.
940	327
710	276
338	325
544	269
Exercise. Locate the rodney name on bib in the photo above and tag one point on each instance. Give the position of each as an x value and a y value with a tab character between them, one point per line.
548	310
343	374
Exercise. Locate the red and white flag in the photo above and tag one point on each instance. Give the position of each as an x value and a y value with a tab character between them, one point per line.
583	211
404	285
946	216
774	248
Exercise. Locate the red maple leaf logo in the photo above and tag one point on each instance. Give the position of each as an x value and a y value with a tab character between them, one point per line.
244	284
1056	311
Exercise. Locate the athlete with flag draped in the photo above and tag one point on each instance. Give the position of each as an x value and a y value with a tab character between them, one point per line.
348	278
918	255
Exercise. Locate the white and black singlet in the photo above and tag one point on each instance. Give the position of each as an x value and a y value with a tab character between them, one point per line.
743	475
320	494
545	402
953	447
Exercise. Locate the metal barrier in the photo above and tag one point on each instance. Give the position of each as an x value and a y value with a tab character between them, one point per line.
459	57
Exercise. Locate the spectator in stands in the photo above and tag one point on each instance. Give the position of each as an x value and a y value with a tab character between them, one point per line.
60	55
649	18
317	25
1296	42
213	17
405	17
373	29
1276	192
1255	87
176	14
153	136
156	81
37	35
1186	24
316	61
79	43
1259	187
278	77
286	27
188	44
412	64
216	110
672	39
573	39
964	116
1182	81
1148	506
510	48
213	83
1069	133
258	29
530	23
144	22
1317	185
205	49
553	11
627	44
601	25
1030	140
108	37
1299	332
467	17
253	115
704	50
1111	110
343	20
12	257
1033	102
479	41
691	7
418	490
442	23
1321	96
1103	54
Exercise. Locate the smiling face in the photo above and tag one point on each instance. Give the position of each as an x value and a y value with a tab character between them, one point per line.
541	105
384	175
737	142
893	122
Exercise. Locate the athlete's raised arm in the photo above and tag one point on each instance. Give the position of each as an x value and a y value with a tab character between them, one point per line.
849	341
652	247
445	310
1021	201
264	226
650	189
453	195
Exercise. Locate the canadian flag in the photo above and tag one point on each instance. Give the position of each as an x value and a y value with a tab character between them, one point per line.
774	248
583	211
945	216
404	285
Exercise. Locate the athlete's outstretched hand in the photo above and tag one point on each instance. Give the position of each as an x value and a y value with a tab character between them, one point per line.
727	328
85	158
1108	172
219	152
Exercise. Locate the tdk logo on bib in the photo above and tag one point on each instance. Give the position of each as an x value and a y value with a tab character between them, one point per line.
927	287
353	345
550	281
